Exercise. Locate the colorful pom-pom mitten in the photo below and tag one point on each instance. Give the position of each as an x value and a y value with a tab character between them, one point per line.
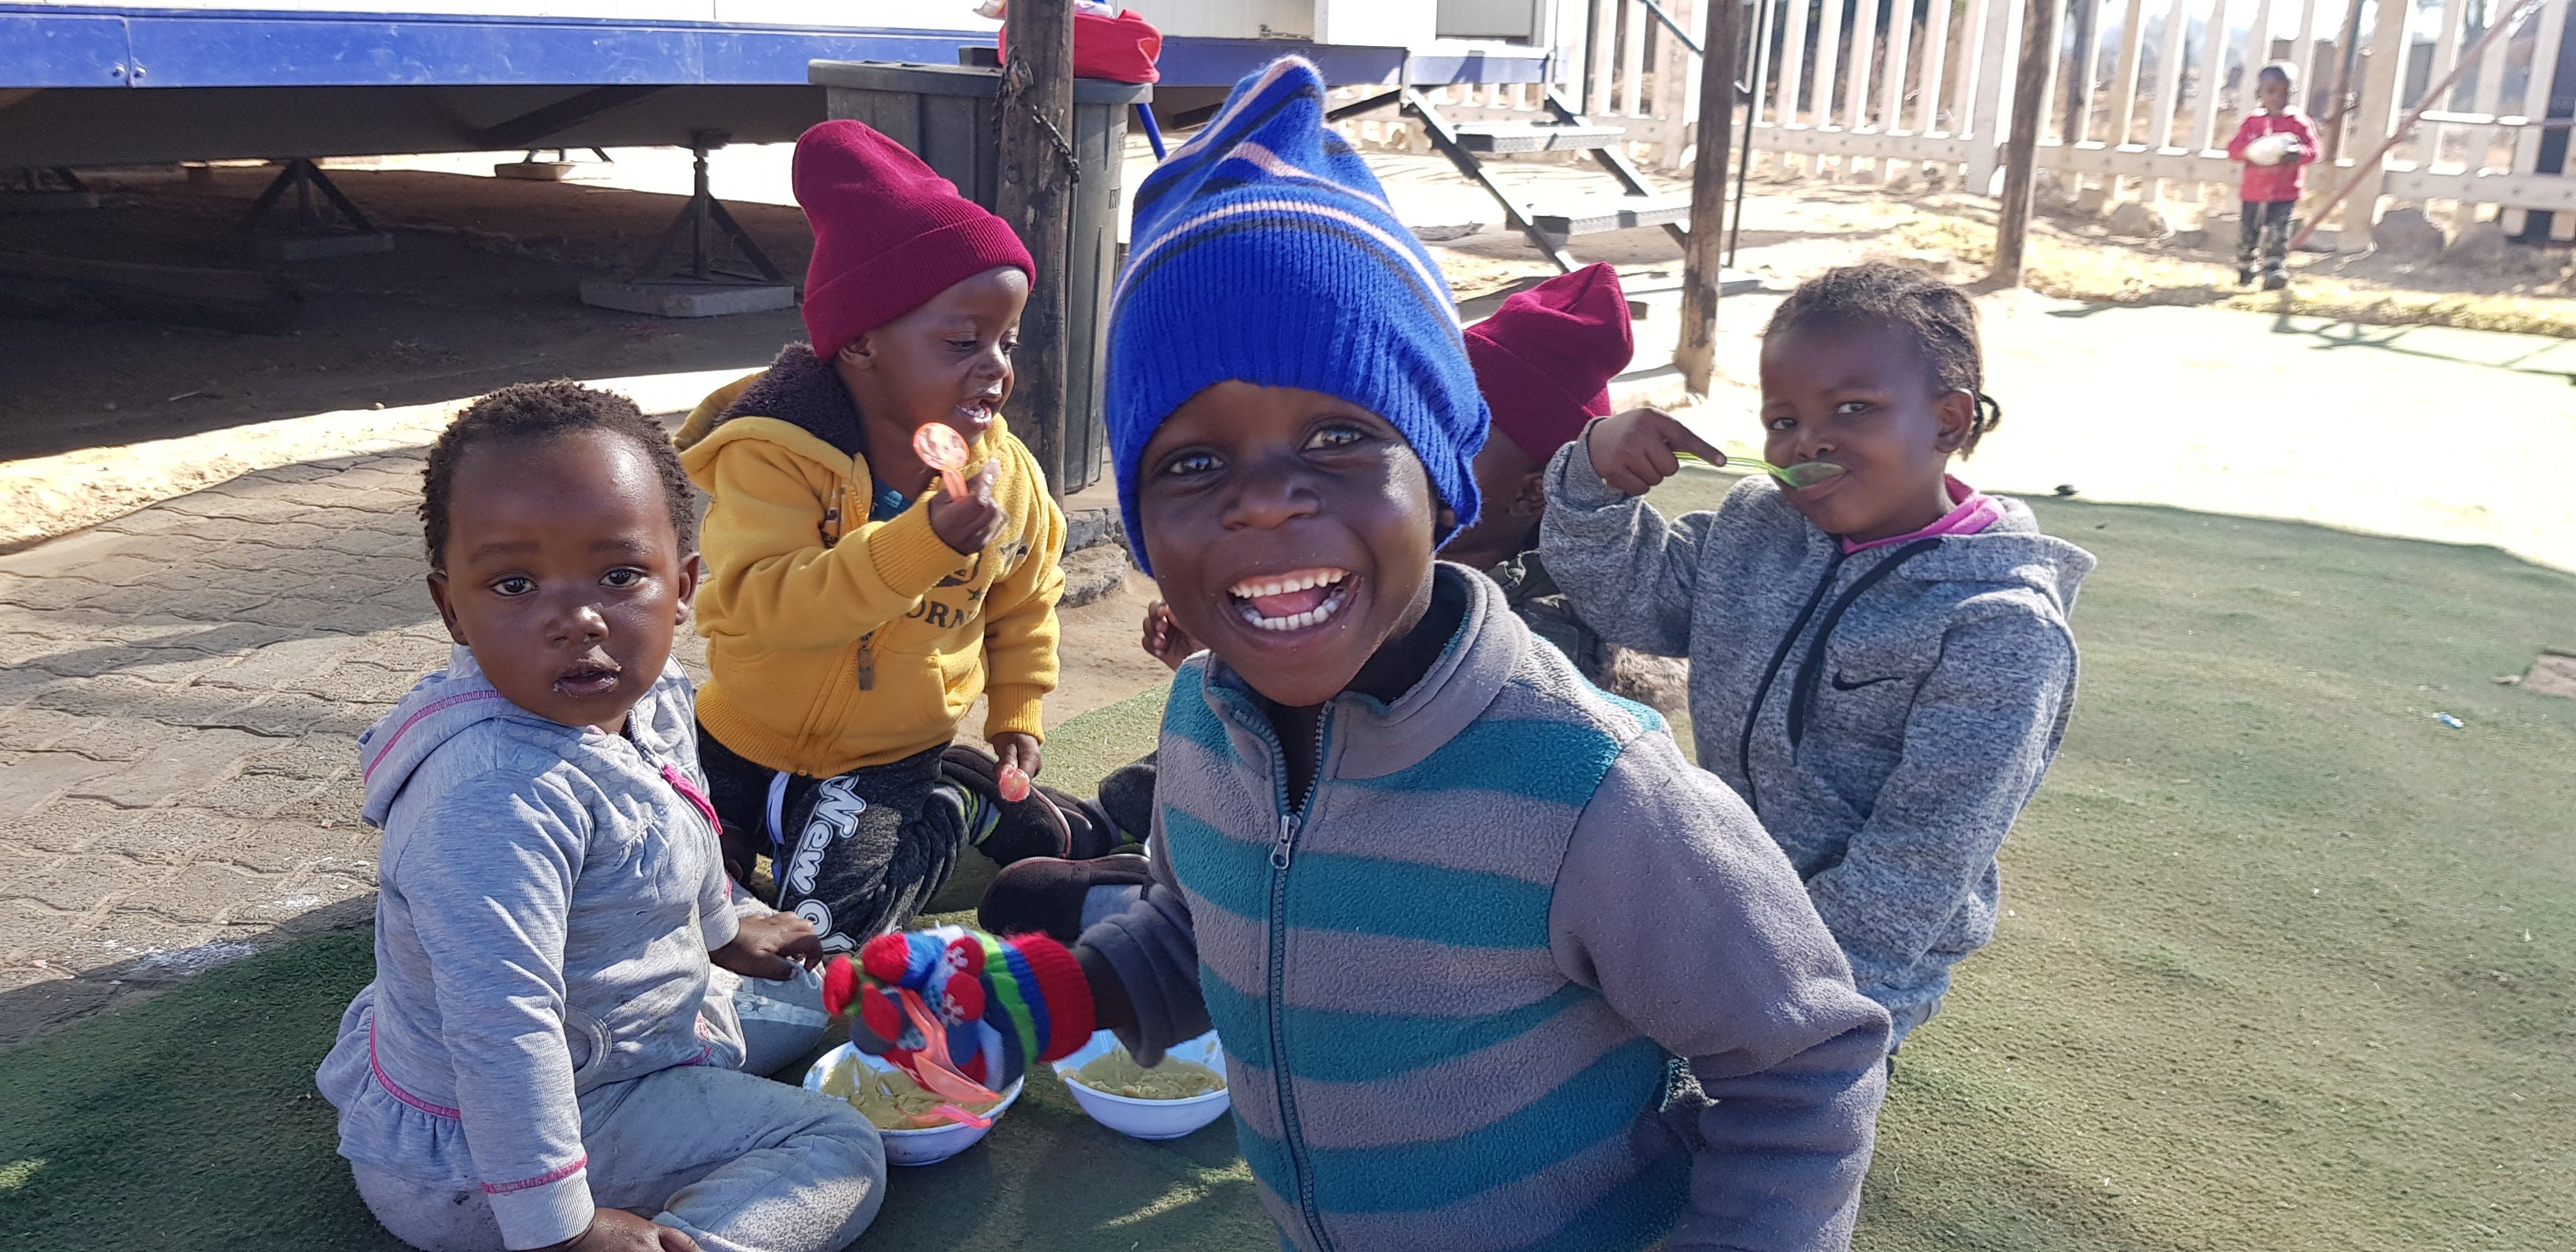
1020	1000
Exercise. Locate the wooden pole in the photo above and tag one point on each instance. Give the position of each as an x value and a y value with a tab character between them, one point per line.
2350	51
1703	257
1036	198
2021	146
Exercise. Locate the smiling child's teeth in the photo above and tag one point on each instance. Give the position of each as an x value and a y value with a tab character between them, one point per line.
1296	621
1285	583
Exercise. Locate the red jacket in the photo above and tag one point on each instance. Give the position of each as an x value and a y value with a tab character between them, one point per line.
2267	184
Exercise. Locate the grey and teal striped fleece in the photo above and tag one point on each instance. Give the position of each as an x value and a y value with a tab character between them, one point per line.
1515	976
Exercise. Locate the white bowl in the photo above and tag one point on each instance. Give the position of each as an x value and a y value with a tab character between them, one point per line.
1149	1119
914	1147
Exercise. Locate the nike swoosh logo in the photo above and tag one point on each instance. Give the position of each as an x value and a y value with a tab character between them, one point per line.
1841	684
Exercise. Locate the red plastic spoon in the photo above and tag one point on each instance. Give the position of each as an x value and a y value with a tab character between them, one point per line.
940	448
1012	782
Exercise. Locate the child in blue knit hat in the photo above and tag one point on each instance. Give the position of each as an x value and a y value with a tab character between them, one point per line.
1463	922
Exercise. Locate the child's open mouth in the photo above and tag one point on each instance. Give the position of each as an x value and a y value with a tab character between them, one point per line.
587	678
1292	601
978	412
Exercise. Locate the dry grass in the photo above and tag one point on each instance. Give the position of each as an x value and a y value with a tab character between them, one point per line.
2077	267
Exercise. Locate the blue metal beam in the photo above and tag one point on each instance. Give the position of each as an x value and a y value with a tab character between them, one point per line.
46	46
174	48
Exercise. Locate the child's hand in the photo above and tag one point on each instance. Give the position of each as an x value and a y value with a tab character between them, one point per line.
991	996
1165	641
1018	747
1634	451
771	947
967	525
616	1230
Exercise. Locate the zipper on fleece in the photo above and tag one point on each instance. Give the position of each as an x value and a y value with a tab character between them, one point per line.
1762	691
1282	853
868	661
1802	690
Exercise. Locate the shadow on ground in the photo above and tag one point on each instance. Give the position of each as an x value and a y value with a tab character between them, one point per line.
479	291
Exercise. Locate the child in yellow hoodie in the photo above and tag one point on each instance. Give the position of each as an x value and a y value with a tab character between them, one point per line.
853	609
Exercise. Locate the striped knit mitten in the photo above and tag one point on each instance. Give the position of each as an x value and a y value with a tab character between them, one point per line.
1003	1004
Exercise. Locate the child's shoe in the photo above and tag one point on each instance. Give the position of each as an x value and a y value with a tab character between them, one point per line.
1126	806
2275	278
1055	897
2244	275
1047	822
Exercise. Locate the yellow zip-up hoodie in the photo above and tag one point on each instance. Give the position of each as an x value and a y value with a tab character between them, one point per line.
837	642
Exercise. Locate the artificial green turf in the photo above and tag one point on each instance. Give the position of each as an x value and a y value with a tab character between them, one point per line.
2264	982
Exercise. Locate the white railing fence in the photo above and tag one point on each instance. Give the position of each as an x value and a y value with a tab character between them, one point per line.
2146	93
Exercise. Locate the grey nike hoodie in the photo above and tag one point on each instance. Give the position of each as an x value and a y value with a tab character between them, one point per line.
1886	713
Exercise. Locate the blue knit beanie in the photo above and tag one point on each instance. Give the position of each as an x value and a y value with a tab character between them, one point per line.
1264	251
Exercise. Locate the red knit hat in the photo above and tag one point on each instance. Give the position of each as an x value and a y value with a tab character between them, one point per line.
1545	359
888	233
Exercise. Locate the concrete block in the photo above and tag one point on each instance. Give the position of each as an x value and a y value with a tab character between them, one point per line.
47	201
178	767
1092	528
2137	219
37	777
534	171
2406	232
2485	246
685	298
323	247
1092	574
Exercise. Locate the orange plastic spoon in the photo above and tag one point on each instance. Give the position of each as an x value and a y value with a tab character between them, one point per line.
940	448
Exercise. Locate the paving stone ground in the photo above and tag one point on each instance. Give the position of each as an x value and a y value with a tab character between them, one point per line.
179	693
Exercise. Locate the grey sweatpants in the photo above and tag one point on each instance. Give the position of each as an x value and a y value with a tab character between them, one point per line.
739	1162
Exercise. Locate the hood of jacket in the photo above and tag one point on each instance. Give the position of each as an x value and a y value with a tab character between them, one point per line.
2010	553
798	389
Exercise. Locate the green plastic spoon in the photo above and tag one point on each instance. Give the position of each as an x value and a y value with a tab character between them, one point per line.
1802	474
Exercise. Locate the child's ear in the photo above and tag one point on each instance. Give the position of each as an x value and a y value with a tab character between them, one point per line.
446	611
1444	520
691	569
858	353
1530	498
1956	414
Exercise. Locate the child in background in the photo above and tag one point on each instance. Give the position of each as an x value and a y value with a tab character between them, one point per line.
2276	174
853	609
1880	662
1543	363
549	1042
1461	920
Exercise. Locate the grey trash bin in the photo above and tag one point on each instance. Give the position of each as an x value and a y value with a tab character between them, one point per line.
949	116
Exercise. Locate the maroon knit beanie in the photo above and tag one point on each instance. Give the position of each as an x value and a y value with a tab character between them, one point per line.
888	233
1545	359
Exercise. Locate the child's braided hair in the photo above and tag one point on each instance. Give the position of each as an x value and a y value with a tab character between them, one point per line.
1938	316
534	412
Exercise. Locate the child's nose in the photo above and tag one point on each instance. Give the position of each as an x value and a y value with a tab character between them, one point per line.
580	621
1269	496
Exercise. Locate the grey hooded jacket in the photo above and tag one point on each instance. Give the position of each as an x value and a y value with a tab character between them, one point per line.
547	897
1886	713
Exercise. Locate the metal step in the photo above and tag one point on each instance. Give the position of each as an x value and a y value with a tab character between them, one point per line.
1613	213
1532	137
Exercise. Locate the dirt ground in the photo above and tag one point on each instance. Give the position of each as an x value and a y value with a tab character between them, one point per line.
478	291
102	417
